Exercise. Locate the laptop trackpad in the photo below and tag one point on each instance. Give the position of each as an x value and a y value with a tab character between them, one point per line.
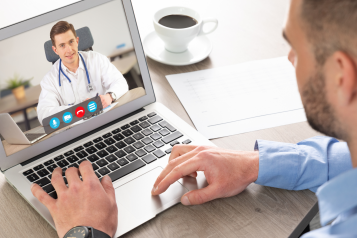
135	203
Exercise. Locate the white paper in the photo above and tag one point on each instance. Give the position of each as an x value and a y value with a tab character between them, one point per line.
240	98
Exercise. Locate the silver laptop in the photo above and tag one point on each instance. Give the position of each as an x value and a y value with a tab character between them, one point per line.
131	143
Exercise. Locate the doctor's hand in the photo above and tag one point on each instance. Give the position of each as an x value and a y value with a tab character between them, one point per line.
106	100
227	172
84	203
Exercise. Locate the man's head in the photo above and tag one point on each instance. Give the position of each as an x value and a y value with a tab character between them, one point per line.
65	42
323	38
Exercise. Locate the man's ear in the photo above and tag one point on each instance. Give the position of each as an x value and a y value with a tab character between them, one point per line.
77	39
54	50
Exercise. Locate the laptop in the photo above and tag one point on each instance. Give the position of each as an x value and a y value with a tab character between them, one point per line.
131	142
13	134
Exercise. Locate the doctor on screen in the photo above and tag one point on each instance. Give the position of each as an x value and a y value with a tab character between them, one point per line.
77	75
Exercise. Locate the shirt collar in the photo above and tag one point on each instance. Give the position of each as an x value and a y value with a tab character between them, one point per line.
81	66
337	196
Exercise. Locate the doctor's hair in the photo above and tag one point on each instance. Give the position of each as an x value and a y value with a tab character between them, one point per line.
330	26
59	28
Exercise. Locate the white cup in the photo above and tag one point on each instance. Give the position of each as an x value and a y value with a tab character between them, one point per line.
177	40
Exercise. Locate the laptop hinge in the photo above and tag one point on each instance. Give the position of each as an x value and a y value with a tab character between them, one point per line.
81	137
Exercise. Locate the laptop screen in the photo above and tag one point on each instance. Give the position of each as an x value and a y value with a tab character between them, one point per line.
64	74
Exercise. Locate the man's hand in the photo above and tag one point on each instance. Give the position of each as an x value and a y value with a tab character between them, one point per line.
83	203
106	100
227	172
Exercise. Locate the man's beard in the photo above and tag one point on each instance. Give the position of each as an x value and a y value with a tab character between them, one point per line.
319	113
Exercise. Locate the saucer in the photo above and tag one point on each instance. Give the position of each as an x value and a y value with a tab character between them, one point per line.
198	49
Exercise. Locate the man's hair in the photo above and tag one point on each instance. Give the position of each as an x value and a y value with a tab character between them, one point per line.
331	25
59	28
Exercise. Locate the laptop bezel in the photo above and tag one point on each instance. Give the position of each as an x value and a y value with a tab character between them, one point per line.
7	162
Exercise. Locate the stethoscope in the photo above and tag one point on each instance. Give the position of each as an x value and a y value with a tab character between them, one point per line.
90	88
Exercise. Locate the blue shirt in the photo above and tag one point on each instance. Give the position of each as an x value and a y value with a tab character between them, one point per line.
321	164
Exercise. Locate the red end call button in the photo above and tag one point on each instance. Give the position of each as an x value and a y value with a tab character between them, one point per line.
80	111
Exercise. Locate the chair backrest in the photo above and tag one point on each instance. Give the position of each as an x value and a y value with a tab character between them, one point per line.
85	43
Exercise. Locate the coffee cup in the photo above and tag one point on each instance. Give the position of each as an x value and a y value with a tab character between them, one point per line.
178	26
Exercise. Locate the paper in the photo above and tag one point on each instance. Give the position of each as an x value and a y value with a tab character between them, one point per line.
240	98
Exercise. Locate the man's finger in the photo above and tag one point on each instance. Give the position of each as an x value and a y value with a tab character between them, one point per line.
42	196
57	181
72	175
86	171
108	187
196	197
179	150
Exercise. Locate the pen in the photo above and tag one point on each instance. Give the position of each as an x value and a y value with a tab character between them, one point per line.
97	95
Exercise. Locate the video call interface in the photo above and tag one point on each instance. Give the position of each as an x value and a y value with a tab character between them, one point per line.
64	96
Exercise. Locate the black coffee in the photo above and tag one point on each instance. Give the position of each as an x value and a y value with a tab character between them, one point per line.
178	21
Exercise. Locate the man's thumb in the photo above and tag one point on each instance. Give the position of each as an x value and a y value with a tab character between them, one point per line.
199	196
108	186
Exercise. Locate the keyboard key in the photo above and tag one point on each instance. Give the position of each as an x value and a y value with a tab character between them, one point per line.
107	135
120	154
75	165
102	162
79	148
151	114
32	177
129	140
97	139
113	166
52	167
143	118
53	195
27	172
118	137
149	148
47	163
172	137
135	129
109	141
43	172
93	158
62	163
155	136
111	158
38	167
159	153
132	157
65	180
147	132
88	144
95	166
102	153
122	162
138	136
129	149
167	125
111	149
100	145
126	170
72	159
80	161
155	128
98	175
42	182
58	157
158	144
174	143
91	150
81	154
49	188
149	158
147	140
140	153
116	131
68	153
64	171
134	122
144	124
127	133
103	171
168	151
188	141
138	145
125	127
164	132
155	119
120	145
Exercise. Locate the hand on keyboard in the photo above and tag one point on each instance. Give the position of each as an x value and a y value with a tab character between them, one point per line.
227	172
83	203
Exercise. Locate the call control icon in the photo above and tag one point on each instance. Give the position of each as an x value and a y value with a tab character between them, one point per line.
80	111
54	123
67	117
92	106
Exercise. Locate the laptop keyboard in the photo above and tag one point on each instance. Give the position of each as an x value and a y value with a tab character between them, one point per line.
117	153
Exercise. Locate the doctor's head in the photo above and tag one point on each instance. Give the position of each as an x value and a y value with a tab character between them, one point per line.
65	41
322	35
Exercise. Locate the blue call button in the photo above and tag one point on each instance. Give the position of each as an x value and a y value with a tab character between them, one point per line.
67	117
54	123
92	106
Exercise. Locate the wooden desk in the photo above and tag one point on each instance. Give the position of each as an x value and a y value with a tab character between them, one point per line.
248	30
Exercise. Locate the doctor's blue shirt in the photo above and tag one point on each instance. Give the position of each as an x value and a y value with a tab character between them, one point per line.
321	164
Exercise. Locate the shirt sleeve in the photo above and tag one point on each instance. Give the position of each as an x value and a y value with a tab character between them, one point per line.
305	165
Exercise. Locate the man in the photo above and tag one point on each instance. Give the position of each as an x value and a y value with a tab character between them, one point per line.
321	35
67	83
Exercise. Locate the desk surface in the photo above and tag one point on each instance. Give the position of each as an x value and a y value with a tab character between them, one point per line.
248	30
